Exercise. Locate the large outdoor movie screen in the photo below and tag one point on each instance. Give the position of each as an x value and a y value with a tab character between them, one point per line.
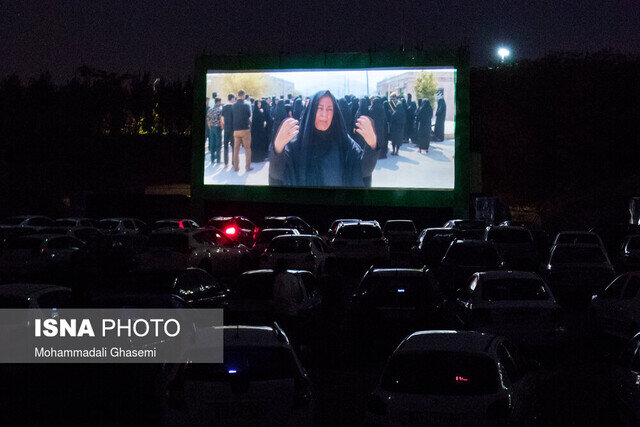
377	128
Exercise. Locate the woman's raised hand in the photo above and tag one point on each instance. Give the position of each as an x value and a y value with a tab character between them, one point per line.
288	130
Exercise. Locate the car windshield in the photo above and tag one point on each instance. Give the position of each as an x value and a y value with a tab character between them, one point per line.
399	291
399	226
589	239
267	235
290	246
253	364
513	290
108	224
509	236
441	374
577	254
360	231
12	221
23	243
65	222
254	286
169	241
473	256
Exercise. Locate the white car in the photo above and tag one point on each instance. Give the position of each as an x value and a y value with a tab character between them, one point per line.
362	242
121	226
260	382
616	310
38	254
515	245
630	252
578	237
301	252
205	248
516	304
453	378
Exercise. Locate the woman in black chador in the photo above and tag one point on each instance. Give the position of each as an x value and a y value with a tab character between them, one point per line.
259	138
397	124
423	126
370	156
441	113
297	108
409	131
317	151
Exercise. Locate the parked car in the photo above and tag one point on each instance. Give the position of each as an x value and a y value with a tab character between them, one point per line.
630	252
515	246
266	235
401	234
335	224
30	295
80	232
107	255
575	272
360	242
122	226
578	237
471	229
431	245
260	382
251	299
41	256
453	378
237	228
180	288
516	304
76	222
208	249
32	222
301	252
462	259
294	222
625	382
175	223
389	303
616	310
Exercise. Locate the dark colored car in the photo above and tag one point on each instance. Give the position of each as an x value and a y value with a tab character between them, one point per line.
294	222
431	245
471	229
515	245
237	228
401	234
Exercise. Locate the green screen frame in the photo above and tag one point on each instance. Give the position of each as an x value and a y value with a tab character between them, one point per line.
456	198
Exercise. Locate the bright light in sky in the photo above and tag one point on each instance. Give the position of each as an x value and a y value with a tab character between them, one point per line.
503	52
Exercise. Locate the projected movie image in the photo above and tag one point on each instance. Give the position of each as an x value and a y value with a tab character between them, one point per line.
374	128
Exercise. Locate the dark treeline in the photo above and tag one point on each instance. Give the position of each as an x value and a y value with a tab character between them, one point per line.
554	133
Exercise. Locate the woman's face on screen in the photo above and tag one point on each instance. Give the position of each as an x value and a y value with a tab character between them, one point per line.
324	115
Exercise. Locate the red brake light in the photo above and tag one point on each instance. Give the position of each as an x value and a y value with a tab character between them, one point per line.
231	231
180	224
461	379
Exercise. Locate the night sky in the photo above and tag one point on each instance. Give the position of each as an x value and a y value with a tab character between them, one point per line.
164	37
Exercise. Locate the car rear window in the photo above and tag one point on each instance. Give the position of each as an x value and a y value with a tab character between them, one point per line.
590	239
572	255
359	232
441	373
509	236
254	286
290	246
168	241
513	290
267	235
399	226
472	256
252	364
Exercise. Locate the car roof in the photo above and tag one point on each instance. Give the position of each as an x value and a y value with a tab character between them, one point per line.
24	290
465	242
577	232
576	245
251	336
278	229
454	341
297	236
120	219
399	220
397	272
509	274
266	271
507	227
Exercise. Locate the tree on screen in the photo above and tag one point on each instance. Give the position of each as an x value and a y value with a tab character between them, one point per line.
254	84
426	86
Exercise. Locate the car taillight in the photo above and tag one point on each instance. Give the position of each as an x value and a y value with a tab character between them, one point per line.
230	231
303	394
175	395
481	316
376	405
499	409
